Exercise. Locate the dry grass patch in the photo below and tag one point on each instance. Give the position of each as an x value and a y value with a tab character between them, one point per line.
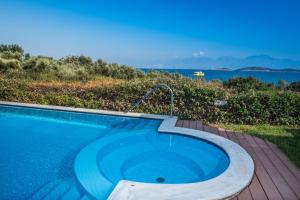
103	82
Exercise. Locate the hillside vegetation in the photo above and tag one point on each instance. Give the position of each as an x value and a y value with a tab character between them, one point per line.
81	82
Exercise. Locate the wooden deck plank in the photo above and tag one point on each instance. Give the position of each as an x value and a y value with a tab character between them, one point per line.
245	194
276	177
211	129
214	130
186	123
256	190
179	123
199	125
223	133
206	128
232	137
292	167
291	180
193	124
265	180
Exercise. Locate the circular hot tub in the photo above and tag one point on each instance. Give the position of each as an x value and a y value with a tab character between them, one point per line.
160	158
147	158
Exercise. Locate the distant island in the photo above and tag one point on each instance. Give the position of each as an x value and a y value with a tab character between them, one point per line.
223	69
259	69
229	62
254	68
266	69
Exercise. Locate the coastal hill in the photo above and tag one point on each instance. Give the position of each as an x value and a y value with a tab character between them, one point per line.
228	61
259	69
266	69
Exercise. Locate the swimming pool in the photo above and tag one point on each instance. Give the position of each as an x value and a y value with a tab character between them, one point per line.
66	153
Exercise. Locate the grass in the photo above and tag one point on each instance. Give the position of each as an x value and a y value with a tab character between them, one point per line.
99	82
287	138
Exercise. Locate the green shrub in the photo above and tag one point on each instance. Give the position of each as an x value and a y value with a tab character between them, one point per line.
11	55
68	68
117	71
273	108
240	84
77	60
192	101
294	86
39	64
11	47
249	100
11	64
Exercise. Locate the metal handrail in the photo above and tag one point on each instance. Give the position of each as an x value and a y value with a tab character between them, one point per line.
150	92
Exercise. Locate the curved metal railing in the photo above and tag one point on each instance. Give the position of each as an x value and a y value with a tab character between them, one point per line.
152	91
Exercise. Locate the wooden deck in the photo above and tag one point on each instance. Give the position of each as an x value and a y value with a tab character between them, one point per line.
276	177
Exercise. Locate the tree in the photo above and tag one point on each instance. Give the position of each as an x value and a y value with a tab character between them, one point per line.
78	60
85	60
12	48
27	55
294	86
6	65
11	55
101	63
241	84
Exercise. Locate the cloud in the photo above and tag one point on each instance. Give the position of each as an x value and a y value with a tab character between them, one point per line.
199	54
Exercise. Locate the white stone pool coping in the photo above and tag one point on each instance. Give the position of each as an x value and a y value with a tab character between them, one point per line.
233	180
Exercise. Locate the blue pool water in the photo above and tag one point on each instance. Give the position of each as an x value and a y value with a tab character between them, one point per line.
46	154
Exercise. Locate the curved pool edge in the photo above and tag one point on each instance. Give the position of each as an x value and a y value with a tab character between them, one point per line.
233	180
230	183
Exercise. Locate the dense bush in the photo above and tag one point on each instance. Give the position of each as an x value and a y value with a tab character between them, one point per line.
9	64
117	71
77	60
69	68
249	100
294	86
11	55
192	100
240	84
273	108
12	48
39	64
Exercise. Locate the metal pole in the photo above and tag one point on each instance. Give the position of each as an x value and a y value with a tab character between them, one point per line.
150	92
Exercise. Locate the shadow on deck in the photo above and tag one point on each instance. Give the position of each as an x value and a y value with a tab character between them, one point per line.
276	177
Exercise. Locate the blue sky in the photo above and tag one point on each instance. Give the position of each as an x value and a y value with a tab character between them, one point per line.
140	32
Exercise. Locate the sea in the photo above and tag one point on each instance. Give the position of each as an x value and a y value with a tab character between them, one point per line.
222	75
